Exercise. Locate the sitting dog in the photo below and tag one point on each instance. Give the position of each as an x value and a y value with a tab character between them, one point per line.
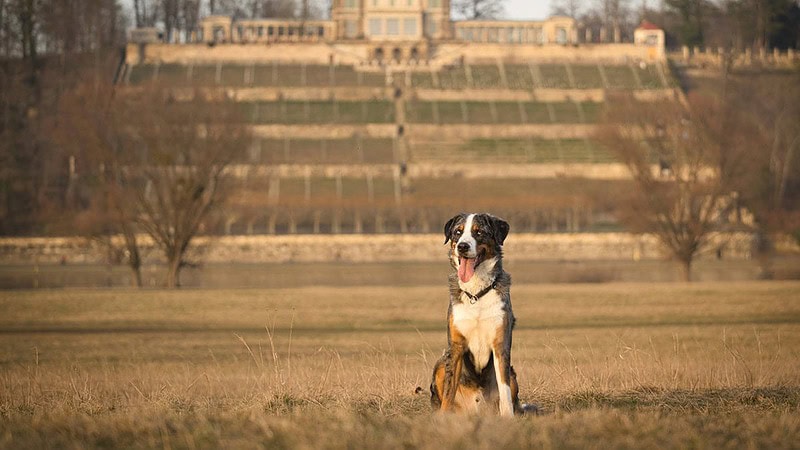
475	371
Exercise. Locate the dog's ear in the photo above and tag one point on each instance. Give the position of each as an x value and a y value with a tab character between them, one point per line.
500	228
448	227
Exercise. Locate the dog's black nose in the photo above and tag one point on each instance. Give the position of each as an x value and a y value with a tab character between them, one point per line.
463	247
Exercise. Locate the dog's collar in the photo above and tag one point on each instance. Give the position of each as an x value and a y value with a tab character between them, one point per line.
474	298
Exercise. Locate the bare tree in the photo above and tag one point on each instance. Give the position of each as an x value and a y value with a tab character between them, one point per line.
691	15
278	8
773	194
188	146
145	13
71	28
674	160
88	127
158	162
615	14
609	20
191	17
171	17
569	8
77	38
479	9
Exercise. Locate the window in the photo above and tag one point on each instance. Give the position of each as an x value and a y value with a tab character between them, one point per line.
392	27
434	4
432	27
561	35
260	31
375	28
350	29
350	4
410	27
219	34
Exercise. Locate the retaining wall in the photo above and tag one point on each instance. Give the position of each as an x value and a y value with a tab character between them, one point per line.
368	248
357	53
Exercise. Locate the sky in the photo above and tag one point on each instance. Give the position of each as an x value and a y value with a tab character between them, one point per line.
527	9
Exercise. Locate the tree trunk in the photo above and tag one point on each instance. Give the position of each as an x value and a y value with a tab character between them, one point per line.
135	264
763	254
134	257
686	270
137	276
173	272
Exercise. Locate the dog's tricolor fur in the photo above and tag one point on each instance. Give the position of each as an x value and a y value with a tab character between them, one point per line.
475	372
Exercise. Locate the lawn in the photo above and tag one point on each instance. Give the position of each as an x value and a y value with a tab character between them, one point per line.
620	365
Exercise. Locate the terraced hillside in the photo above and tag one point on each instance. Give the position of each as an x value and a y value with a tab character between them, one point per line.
339	148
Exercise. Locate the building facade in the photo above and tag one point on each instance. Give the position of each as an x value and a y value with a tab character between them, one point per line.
406	22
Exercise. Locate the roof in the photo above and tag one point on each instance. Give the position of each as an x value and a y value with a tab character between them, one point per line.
645	25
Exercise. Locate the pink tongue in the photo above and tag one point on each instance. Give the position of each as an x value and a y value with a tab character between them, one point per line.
466	268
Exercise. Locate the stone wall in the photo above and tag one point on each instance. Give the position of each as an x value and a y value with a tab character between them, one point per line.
609	53
235	53
368	248
358	53
425	131
712	58
344	93
608	171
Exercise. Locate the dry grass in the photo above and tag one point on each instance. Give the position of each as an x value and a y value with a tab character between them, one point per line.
618	365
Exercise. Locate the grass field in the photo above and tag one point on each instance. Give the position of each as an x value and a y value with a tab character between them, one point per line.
622	365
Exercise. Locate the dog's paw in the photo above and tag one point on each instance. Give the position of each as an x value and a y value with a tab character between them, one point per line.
529	408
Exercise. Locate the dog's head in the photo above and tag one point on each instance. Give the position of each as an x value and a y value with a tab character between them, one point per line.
474	238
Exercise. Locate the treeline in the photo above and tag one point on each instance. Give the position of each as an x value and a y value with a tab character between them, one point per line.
736	24
47	47
79	156
180	18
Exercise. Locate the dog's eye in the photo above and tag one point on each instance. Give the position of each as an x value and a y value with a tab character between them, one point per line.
458	233
478	232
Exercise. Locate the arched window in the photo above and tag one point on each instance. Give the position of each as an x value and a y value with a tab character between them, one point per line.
561	35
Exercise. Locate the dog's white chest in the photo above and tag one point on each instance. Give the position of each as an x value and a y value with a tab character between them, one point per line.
480	324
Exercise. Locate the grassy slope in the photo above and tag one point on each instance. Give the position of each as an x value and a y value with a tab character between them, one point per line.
620	365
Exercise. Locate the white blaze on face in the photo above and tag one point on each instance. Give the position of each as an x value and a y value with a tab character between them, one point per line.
466	236
466	262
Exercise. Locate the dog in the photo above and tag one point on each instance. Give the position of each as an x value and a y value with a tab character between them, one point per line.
475	372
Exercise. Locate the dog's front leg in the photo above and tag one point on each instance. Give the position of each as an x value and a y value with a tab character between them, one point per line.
453	370
501	355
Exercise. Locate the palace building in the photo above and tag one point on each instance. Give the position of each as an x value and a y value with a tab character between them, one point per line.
389	21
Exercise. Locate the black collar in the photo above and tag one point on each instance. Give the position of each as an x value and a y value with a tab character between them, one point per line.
474	298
